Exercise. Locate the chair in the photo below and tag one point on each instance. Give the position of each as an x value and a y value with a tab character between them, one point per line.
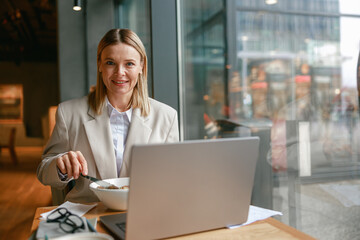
11	145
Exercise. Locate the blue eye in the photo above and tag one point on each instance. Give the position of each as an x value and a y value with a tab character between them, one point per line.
129	64
110	63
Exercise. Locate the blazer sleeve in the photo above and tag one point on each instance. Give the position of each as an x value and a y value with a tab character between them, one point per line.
57	145
173	135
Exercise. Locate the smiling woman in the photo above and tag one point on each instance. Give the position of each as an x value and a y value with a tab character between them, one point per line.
114	43
120	67
94	134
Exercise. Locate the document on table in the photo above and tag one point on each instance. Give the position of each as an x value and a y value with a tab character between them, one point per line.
75	208
256	214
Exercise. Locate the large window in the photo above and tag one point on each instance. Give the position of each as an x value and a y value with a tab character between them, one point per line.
202	51
287	73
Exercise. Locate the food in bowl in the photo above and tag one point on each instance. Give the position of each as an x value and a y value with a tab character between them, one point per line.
114	187
115	199
109	187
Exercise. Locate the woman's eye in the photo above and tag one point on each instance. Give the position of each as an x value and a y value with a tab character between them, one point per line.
110	63
129	64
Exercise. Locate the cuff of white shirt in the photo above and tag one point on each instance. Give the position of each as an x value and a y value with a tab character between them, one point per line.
63	177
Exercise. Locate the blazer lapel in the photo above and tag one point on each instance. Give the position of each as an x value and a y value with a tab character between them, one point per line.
99	135
139	133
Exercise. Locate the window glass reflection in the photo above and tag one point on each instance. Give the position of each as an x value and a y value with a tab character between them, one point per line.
293	82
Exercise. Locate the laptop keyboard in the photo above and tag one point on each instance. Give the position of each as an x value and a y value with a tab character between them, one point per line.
122	226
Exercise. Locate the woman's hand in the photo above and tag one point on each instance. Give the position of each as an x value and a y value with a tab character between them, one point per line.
72	163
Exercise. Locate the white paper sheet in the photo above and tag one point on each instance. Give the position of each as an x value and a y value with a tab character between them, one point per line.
256	214
75	208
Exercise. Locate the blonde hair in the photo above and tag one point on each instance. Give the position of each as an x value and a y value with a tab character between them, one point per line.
140	96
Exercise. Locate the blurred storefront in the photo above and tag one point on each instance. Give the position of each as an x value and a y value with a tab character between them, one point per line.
288	69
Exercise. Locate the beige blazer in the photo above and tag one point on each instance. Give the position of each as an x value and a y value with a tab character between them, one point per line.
78	128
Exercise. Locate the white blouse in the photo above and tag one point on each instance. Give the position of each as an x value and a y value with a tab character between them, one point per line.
119	124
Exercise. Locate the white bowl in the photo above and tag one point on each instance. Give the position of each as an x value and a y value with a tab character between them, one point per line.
115	199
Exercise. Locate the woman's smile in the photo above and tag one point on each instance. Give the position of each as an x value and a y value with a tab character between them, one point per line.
120	81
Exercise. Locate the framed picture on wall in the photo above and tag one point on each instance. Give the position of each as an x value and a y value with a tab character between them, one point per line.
11	103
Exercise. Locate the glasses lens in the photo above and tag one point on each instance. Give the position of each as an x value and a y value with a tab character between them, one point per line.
67	228
74	220
72	223
57	214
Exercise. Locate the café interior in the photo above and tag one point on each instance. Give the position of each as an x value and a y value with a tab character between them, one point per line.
286	71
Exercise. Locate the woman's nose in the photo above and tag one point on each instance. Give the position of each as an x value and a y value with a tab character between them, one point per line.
121	70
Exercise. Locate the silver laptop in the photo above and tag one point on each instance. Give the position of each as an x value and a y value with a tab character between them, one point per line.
187	187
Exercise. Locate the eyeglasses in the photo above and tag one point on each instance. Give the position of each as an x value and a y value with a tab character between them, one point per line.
68	222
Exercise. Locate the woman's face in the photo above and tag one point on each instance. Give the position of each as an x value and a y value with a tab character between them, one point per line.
120	66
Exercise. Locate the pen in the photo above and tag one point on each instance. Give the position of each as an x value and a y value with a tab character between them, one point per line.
92	229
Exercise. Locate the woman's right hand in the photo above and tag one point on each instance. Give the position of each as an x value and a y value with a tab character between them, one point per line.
72	163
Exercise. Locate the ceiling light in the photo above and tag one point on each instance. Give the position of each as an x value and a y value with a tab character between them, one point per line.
271	2
77	5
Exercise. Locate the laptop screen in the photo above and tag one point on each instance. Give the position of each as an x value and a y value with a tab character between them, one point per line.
191	186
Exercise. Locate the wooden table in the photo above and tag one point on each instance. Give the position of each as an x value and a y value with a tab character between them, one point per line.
269	228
